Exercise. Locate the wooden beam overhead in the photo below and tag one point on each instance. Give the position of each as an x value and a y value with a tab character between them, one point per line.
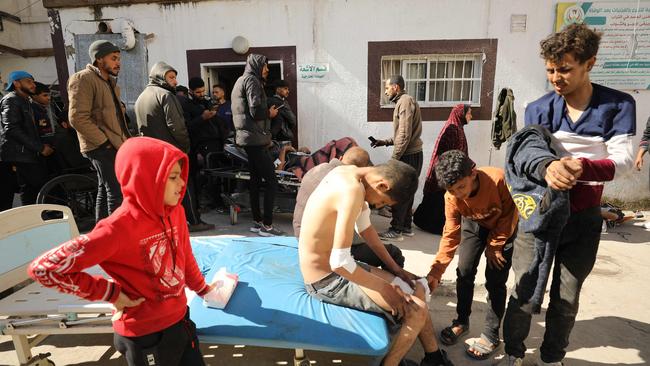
91	3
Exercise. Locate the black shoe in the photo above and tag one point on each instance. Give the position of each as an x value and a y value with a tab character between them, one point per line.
407	362
444	362
201	226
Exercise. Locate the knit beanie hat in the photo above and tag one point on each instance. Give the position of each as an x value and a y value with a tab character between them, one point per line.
101	48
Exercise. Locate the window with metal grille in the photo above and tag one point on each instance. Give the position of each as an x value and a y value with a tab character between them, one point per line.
441	80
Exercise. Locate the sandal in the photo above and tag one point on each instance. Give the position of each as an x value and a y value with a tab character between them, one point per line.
485	350
447	335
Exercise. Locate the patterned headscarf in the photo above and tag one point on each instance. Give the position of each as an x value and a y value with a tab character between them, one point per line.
452	137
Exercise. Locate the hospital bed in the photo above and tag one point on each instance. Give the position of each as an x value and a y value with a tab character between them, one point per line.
269	308
33	309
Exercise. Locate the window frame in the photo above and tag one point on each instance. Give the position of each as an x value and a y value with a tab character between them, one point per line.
427	61
378	51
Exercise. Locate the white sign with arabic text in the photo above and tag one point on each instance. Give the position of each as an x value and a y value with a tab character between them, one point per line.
314	72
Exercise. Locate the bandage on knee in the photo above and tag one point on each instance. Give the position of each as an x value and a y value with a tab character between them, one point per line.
342	258
408	290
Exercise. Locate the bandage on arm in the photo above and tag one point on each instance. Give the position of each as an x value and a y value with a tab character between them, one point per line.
363	220
342	258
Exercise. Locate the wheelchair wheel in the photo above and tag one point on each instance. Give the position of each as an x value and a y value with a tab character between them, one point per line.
76	191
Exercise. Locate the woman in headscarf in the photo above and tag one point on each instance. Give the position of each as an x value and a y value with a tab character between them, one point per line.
430	214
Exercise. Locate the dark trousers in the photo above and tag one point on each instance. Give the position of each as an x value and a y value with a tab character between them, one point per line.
9	185
211	152
402	212
363	253
261	167
31	177
109	195
176	345
190	201
574	260
474	240
430	214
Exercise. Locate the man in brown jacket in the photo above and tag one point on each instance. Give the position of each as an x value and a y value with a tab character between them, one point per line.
96	114
407	127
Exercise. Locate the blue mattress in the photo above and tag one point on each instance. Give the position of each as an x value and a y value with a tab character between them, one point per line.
270	306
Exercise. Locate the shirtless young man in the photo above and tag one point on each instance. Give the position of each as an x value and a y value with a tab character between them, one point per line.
333	276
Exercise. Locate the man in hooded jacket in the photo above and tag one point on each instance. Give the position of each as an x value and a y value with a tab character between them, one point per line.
251	118
159	115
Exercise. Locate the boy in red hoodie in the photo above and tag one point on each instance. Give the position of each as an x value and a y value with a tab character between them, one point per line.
144	247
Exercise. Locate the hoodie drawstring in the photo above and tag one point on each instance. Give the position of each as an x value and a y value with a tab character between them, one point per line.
170	240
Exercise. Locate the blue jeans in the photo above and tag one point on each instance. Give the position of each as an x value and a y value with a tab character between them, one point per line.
109	194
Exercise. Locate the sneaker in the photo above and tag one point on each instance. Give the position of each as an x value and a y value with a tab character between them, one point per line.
257	225
508	360
222	210
385	212
201	226
270	231
408	233
391	235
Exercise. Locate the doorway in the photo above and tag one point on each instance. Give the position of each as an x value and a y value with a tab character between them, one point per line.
227	73
223	65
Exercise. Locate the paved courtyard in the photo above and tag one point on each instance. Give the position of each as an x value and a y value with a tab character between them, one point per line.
611	329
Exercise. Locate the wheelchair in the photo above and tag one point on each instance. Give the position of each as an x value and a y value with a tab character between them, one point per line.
73	181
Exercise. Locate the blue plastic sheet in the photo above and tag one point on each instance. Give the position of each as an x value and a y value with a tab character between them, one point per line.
270	306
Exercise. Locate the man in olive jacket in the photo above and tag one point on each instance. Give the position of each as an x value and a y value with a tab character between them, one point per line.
158	112
251	118
95	112
159	115
407	128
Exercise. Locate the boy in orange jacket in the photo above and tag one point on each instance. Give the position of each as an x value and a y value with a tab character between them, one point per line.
480	216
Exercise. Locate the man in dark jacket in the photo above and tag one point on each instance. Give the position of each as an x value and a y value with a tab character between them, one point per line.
205	138
20	145
224	111
253	132
159	115
284	123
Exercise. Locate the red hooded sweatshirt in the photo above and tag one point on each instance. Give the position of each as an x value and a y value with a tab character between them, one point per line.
144	246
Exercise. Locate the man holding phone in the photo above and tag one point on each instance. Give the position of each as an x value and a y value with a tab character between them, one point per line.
407	126
284	123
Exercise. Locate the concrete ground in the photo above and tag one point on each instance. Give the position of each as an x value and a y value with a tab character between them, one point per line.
611	327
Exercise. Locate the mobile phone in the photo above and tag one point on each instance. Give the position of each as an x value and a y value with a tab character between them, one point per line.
372	139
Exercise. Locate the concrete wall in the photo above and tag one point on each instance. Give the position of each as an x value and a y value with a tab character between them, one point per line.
337	32
33	32
42	68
